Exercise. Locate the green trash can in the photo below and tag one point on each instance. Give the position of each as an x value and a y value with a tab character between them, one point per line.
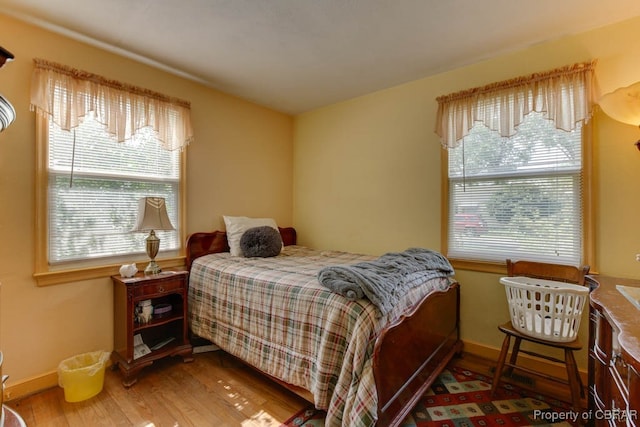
82	376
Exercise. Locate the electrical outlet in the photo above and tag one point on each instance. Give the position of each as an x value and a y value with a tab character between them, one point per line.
637	257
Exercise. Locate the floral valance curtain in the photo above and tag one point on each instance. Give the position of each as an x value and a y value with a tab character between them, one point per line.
66	95
565	95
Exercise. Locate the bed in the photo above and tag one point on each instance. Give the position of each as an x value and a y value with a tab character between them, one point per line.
363	369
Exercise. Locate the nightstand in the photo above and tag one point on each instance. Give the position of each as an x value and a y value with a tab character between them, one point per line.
139	341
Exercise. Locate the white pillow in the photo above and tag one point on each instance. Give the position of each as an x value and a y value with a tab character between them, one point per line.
237	225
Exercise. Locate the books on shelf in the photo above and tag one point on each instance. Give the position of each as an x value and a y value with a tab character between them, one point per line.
139	347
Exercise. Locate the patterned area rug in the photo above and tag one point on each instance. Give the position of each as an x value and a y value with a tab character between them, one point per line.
461	398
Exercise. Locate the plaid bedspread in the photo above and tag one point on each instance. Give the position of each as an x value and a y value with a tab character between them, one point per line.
274	314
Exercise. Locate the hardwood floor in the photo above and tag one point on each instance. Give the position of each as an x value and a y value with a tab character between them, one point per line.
214	390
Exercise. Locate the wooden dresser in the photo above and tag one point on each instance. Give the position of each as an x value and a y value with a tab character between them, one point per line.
614	352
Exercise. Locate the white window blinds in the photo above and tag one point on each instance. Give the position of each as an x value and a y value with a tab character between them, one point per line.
94	187
515	167
518	197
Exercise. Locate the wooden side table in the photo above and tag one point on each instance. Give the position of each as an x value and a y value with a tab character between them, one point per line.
138	342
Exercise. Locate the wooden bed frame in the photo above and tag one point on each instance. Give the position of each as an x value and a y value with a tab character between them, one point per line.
425	340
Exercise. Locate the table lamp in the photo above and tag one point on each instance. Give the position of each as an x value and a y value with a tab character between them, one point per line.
152	215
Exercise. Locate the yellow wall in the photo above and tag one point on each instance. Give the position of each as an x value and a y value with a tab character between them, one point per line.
239	164
367	171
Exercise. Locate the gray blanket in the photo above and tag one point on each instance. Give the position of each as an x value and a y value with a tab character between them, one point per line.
385	280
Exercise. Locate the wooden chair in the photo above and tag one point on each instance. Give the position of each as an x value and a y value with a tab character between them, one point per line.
562	273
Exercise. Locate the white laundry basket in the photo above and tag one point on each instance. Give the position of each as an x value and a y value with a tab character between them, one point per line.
545	308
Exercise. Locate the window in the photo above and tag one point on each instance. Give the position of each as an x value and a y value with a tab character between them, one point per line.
94	184
517	169
102	145
517	197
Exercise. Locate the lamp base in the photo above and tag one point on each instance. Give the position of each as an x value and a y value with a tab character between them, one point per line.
153	244
152	268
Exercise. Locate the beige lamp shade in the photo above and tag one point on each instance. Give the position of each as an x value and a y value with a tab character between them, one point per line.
623	104
152	215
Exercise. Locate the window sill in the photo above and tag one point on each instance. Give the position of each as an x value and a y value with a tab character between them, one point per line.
49	278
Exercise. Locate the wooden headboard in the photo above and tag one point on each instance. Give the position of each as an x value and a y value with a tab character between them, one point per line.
204	243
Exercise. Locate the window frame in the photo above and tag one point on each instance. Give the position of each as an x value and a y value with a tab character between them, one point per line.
588	196
73	271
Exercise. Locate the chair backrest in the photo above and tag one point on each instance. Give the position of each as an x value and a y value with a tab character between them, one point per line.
542	270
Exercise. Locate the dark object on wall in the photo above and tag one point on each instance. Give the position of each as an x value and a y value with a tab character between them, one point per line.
5	56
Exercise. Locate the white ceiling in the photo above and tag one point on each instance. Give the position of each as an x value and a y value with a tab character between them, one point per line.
297	55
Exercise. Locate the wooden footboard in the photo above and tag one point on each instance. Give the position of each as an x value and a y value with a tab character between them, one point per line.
410	354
